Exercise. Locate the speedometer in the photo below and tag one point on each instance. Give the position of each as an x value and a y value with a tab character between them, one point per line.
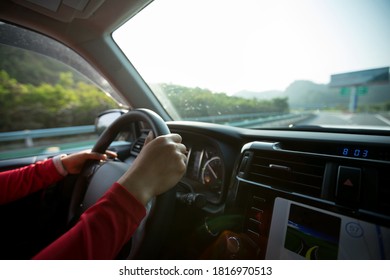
212	174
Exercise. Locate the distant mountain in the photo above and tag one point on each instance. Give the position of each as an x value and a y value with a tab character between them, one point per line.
308	95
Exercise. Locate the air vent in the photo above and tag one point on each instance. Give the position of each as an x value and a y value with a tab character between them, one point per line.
139	143
289	172
137	146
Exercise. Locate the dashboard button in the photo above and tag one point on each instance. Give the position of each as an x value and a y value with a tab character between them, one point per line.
348	185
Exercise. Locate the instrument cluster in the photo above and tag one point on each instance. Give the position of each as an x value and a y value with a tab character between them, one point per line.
205	172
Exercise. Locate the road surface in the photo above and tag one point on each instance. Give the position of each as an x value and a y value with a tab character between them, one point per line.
348	119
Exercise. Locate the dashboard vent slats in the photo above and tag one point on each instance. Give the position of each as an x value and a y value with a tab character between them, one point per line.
137	146
293	173
139	142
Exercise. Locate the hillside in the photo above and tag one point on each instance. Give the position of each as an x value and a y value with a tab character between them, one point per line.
309	95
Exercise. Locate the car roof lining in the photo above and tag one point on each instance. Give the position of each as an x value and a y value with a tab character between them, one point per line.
63	10
72	26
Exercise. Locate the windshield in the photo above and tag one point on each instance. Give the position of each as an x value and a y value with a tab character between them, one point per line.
274	63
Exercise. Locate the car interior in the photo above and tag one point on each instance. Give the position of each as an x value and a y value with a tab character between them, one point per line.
260	184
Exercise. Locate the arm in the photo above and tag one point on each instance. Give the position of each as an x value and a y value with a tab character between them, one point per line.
105	227
101	231
18	183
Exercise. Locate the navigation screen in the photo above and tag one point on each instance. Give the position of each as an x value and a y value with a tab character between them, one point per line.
312	234
300	231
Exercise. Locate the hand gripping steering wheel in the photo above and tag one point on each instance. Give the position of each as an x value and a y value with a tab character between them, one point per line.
97	177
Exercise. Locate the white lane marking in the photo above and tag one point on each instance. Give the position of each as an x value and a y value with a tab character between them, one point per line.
383	119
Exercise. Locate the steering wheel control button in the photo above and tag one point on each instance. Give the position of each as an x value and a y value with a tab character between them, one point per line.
348	186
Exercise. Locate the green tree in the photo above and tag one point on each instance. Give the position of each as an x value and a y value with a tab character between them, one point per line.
198	102
67	103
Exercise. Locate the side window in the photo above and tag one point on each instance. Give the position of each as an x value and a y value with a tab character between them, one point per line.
46	106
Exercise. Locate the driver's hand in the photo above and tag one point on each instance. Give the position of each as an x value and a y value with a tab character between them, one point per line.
159	166
74	163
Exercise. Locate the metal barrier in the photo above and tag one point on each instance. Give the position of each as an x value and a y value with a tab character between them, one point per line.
29	135
226	119
241	120
253	119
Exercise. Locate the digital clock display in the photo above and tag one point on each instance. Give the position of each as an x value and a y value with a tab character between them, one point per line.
354	152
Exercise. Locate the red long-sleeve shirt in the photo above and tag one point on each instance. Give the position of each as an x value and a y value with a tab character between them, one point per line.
101	231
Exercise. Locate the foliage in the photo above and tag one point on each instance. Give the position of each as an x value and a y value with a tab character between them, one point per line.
198	102
66	103
28	67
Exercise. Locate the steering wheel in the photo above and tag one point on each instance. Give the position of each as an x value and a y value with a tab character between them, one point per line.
97	177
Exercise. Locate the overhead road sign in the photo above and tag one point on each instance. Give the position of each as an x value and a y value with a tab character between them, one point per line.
358	78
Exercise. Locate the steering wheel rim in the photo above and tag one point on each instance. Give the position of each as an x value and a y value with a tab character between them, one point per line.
85	186
157	124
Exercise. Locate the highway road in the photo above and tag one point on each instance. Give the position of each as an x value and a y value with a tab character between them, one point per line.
348	119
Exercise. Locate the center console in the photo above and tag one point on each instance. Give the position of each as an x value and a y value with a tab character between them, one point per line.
311	205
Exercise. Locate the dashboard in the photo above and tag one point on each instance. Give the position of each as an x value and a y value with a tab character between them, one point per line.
299	195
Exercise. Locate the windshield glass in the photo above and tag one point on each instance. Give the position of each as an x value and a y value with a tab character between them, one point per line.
274	63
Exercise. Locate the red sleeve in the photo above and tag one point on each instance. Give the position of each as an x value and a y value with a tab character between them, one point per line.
101	231
17	183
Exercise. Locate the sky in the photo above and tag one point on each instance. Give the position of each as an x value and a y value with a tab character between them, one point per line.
228	46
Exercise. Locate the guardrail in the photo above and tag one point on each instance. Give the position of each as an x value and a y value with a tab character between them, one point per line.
254	119
226	119
241	120
280	120
29	135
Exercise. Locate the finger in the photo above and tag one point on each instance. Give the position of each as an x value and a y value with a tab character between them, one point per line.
111	154
175	137
96	156
182	148
184	158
